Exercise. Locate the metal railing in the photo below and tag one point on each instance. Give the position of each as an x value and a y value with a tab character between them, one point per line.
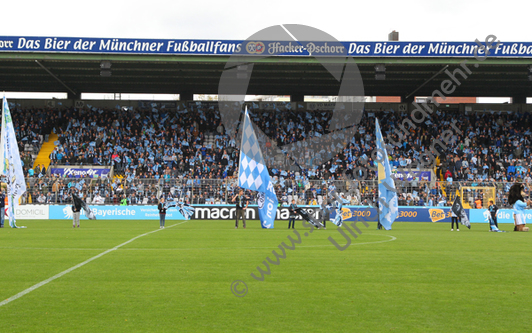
54	190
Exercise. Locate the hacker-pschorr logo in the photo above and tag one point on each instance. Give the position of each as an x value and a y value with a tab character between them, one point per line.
255	47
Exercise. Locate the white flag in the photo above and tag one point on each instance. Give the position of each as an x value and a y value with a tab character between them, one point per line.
10	164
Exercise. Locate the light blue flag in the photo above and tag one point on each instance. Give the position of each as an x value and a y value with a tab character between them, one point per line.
10	164
253	174
388	205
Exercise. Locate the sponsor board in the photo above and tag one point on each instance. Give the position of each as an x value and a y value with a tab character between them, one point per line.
79	172
64	212
260	48
503	216
278	106
32	212
406	214
356	213
321	106
413	175
228	212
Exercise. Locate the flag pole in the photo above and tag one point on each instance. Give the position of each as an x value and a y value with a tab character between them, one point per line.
2	153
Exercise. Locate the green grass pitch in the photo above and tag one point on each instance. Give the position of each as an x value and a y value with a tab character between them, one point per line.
418	277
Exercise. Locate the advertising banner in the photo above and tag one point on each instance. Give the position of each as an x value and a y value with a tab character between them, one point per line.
503	216
32	212
228	212
259	47
406	214
413	175
312	106
78	172
351	213
64	212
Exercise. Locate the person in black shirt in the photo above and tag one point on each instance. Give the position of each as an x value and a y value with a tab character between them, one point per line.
2	207
162	213
325	213
76	211
493	211
240	209
292	217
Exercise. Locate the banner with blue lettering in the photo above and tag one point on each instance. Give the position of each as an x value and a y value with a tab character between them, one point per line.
259	48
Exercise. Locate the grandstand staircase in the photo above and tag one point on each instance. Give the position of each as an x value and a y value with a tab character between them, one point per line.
46	149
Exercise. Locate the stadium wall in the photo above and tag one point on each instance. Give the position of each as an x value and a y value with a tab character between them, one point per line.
227	212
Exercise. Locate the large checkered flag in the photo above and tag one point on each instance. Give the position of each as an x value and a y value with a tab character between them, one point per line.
459	210
253	174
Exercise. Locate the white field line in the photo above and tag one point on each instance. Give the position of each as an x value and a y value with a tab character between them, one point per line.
392	238
42	283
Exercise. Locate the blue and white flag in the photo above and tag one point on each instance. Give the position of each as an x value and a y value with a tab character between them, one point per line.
253	174
388	206
10	164
185	209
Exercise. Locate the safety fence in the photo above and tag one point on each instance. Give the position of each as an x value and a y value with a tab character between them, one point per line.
108	191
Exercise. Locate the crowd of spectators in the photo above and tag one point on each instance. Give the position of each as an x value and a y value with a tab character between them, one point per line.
169	144
31	126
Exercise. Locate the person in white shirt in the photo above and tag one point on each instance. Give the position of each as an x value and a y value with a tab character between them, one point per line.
97	199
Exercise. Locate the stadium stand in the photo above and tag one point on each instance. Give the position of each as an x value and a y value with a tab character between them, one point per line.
188	154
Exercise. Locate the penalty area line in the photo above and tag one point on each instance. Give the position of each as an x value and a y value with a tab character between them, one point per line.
42	283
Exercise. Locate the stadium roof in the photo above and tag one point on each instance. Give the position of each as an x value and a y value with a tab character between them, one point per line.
200	74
